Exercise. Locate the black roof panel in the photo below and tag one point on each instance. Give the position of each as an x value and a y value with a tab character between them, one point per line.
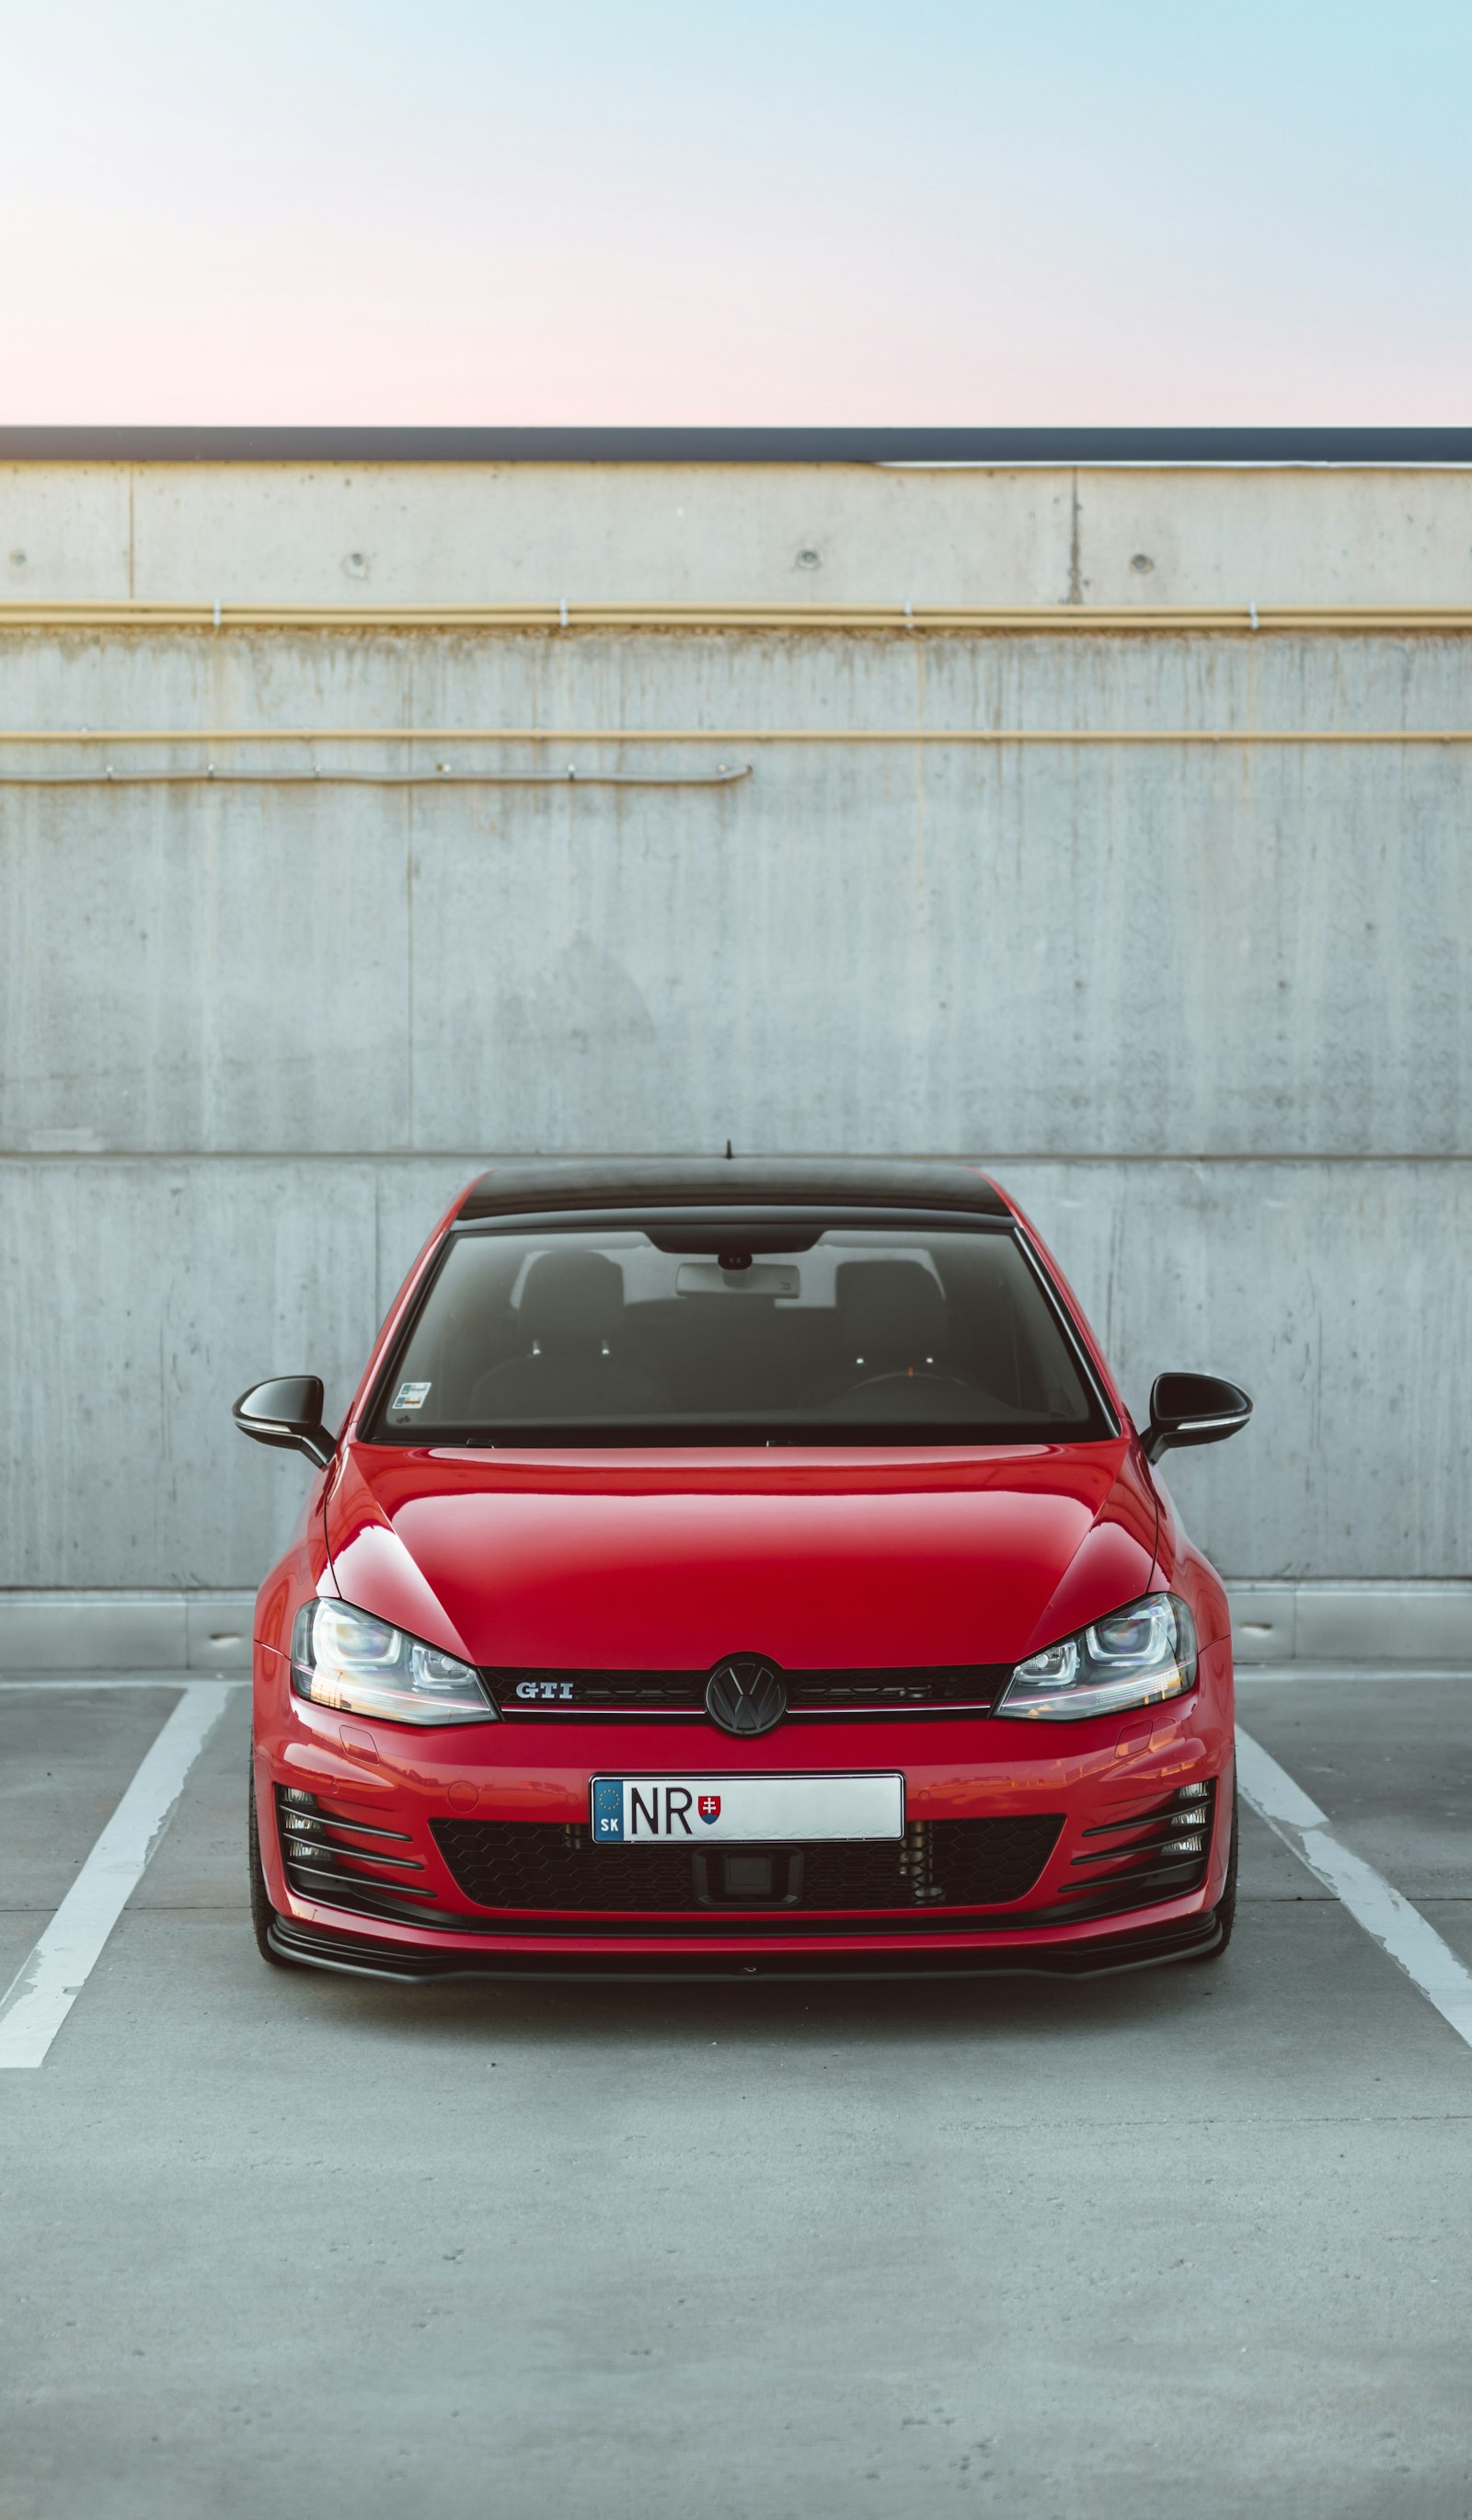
535	1184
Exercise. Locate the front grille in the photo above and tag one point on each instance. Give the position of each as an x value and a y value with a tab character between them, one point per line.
1160	1852
973	1688
540	1865
346	1863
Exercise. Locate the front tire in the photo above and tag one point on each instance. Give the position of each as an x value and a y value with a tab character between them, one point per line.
1227	1905
263	1914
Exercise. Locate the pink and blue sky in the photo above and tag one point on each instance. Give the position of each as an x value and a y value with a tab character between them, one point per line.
776	212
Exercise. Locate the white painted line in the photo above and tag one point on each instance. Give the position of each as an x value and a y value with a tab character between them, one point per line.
50	1981
1389	1919
1274	1674
40	1681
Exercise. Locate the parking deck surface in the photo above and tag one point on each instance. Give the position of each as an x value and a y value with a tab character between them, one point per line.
1196	2240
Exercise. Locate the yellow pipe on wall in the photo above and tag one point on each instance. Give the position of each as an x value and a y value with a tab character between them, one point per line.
1071	618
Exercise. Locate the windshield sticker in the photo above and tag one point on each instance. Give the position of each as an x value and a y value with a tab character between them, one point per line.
411	1395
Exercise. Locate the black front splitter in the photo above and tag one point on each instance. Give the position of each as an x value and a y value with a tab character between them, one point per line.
1196	1938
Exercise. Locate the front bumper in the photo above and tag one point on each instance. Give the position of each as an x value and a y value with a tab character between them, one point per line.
404	1791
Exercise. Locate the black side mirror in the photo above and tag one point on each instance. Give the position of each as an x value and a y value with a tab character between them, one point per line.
288	1413
1192	1409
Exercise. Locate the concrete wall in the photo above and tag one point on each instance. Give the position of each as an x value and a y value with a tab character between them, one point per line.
1206	1010
156	1289
425	533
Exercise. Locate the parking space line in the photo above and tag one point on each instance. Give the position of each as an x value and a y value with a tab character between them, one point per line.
1387	1917
1379	1674
49	1981
37	1683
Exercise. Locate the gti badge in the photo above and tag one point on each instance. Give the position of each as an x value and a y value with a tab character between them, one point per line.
744	1694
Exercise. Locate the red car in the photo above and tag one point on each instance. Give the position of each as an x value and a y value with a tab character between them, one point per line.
740	1569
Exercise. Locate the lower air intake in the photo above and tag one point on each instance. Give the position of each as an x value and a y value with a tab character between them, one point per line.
541	1866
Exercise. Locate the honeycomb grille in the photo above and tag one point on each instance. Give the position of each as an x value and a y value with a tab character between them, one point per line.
542	1866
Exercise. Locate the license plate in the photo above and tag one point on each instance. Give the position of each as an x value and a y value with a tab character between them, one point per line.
697	1811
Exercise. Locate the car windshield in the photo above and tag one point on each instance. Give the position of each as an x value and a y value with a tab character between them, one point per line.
887	1334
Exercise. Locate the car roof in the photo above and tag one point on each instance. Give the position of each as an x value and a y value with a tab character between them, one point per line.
540	1184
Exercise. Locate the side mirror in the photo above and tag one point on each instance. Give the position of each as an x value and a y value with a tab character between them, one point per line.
287	1414
1192	1409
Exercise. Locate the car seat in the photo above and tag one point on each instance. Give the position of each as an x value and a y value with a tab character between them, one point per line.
570	1318
892	1320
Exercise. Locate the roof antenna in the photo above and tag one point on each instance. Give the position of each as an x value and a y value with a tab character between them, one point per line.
728	1155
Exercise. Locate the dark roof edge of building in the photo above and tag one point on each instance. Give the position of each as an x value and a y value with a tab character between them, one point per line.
1003	448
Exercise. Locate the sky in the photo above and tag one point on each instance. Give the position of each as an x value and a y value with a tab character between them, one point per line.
781	211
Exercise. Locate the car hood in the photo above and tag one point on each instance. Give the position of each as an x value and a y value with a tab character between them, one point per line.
668	1561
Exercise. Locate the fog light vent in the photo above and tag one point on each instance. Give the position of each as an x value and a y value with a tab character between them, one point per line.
1159	1852
355	1864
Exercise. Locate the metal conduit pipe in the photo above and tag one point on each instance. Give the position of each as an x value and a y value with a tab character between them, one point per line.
211	777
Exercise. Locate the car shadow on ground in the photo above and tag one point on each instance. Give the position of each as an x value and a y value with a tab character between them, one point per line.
758	2013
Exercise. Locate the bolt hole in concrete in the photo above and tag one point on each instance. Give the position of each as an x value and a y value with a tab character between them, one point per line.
355	564
808	559
1143	564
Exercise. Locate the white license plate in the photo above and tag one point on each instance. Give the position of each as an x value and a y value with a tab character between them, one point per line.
696	1811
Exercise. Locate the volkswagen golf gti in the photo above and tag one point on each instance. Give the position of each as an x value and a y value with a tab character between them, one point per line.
738	1569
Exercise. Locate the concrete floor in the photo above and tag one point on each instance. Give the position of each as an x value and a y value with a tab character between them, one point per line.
1189	2242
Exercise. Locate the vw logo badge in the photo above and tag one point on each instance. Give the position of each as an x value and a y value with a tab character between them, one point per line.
744	1694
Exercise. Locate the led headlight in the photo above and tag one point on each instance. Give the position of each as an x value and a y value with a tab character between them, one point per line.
1134	1658
341	1657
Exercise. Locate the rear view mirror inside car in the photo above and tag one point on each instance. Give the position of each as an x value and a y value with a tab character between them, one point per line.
754	1278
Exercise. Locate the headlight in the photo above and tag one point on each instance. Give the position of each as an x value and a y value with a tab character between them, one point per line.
1133	1658
341	1657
